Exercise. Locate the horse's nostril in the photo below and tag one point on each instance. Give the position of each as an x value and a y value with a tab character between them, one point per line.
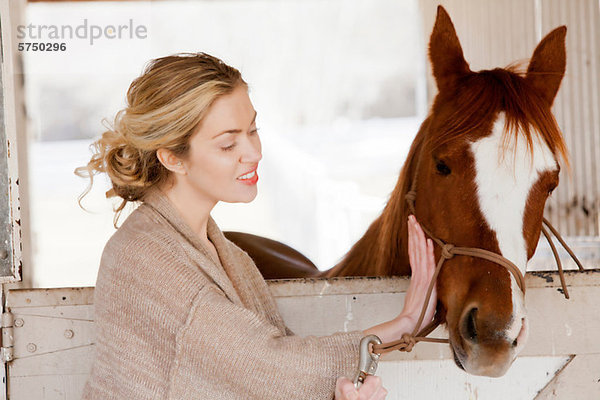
522	334
470	325
457	361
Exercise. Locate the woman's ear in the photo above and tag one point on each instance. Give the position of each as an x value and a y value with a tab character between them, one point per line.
170	161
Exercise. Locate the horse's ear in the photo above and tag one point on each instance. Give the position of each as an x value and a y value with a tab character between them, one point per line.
445	52
547	66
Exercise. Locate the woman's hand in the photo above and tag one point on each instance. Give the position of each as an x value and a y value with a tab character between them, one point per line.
422	262
370	390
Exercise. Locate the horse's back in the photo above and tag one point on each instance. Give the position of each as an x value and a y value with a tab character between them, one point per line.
274	259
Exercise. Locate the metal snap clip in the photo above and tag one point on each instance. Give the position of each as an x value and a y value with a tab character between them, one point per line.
368	361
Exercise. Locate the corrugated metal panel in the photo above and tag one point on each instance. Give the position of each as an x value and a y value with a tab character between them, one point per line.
577	110
496	33
492	33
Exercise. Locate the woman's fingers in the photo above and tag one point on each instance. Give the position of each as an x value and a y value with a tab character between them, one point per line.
414	247
372	389
422	243
345	390
420	247
422	260
417	249
411	242
380	395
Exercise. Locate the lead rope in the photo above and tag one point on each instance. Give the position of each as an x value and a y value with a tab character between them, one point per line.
555	253
408	340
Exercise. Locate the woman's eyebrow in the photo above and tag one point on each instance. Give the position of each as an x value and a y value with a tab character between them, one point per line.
235	130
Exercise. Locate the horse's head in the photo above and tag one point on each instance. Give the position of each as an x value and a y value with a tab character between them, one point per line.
489	160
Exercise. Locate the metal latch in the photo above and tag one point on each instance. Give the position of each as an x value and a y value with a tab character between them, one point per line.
368	361
6	351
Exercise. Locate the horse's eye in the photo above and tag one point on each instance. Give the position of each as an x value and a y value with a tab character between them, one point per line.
442	168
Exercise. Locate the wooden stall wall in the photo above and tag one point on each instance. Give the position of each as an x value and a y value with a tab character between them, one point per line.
53	339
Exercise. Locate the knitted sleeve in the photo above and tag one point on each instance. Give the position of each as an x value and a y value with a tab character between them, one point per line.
143	295
225	351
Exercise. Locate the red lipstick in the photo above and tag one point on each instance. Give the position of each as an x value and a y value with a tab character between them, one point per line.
252	179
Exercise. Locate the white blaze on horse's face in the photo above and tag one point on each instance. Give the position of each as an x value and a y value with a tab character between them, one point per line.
504	175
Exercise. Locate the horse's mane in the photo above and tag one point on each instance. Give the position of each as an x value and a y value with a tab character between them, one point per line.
485	93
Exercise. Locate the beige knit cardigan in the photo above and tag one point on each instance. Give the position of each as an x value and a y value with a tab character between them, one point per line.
174	323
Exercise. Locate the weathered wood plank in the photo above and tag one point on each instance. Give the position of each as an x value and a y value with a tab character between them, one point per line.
48	387
41	335
429	379
50	297
75	361
579	379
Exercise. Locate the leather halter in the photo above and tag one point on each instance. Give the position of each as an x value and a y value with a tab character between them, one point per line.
408	340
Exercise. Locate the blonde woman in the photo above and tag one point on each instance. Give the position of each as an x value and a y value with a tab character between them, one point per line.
180	311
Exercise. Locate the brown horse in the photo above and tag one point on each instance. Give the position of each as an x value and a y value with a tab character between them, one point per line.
486	158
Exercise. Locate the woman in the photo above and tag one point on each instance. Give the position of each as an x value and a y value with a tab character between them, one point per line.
180	311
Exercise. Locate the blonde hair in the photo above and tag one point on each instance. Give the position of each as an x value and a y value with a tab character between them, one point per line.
164	107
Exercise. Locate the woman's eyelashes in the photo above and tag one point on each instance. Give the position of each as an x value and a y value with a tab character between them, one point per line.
232	145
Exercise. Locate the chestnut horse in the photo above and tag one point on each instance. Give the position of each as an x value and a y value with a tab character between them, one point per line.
487	158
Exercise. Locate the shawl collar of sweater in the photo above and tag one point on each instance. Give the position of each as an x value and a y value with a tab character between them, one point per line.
215	269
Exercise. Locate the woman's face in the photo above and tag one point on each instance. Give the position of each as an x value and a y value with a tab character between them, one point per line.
225	151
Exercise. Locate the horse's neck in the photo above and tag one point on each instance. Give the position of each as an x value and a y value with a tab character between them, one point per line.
383	249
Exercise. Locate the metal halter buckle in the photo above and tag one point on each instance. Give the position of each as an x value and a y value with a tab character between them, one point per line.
368	361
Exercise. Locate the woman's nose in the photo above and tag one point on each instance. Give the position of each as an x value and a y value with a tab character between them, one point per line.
252	151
